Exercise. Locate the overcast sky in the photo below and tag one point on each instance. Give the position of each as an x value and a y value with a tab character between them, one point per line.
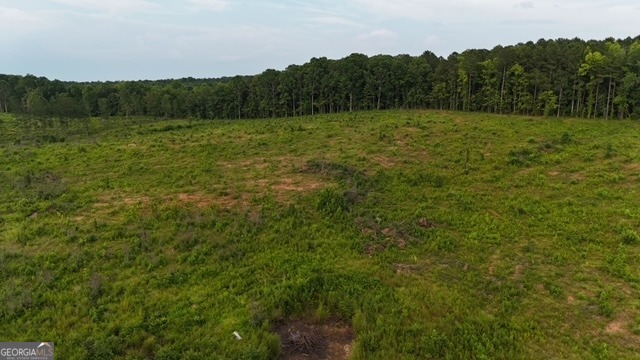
157	39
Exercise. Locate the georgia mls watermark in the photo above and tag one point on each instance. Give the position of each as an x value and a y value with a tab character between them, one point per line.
26	351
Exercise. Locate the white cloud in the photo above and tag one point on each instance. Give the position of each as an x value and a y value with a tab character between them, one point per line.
525	5
447	12
208	5
157	38
13	15
479	11
335	20
220	43
17	23
379	35
112	7
398	8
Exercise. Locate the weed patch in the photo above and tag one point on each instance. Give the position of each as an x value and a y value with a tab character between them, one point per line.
427	234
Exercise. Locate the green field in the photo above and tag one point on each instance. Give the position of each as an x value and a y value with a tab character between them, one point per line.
430	234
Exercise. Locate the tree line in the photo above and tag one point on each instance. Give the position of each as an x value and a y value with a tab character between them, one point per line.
563	77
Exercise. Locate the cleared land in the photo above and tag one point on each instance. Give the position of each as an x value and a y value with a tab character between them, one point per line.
376	235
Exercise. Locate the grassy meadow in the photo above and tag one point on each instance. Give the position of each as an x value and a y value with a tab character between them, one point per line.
431	234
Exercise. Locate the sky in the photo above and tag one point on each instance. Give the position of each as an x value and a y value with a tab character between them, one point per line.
99	40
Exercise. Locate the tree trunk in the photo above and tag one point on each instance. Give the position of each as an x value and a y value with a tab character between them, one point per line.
293	104
606	111
504	77
469	95
573	99
595	108
455	99
559	102
535	97
613	96
578	106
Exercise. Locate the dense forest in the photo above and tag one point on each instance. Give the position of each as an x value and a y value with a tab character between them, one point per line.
563	77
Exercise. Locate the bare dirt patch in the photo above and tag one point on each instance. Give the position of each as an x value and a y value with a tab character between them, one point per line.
384	238
134	200
577	177
542	290
495	214
373	249
280	175
107	203
111	201
426	223
621	331
405	138
261	163
518	271
493	263
297	184
305	340
284	187
616	327
635	167
207	200
406	269
393	236
384	161
204	200
526	171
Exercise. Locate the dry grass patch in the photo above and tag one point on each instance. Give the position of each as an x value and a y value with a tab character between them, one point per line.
493	263
620	330
201	200
305	340
384	161
261	163
297	184
634	167
107	203
518	272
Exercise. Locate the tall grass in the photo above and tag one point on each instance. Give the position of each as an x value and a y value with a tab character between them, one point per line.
435	234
